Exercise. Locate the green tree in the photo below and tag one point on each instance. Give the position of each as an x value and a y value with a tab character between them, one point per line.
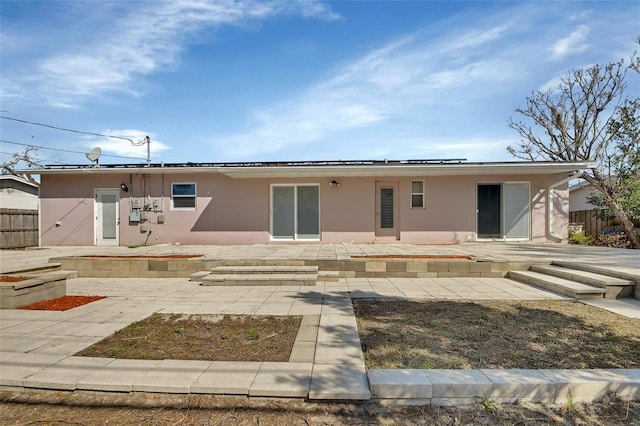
624	163
588	117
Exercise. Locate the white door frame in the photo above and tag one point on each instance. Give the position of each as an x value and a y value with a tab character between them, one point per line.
98	225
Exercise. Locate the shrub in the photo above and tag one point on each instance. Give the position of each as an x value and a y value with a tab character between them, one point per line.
613	240
580	238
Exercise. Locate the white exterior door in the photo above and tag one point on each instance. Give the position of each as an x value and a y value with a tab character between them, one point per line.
107	214
387	211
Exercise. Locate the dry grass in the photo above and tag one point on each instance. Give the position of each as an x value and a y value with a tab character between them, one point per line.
77	408
495	334
202	337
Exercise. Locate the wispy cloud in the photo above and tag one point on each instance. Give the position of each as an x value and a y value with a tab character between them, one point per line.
148	38
479	148
389	82
125	148
571	44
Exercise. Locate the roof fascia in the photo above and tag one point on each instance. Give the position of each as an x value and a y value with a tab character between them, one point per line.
249	172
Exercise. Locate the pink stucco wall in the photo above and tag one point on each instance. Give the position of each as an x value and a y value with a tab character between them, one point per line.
236	211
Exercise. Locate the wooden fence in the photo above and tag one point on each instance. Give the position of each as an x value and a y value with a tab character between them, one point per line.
18	228
591	224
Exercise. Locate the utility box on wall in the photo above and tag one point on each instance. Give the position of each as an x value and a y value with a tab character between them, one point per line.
134	216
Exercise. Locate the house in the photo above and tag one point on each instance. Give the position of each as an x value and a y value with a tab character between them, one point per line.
578	195
414	201
18	193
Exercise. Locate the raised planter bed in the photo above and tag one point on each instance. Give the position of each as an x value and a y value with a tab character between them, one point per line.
134	266
414	256
18	291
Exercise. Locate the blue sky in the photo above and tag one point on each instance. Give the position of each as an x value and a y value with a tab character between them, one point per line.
225	81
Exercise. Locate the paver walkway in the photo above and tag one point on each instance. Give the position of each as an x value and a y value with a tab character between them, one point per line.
37	346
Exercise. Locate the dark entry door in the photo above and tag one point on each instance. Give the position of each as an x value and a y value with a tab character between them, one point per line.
489	211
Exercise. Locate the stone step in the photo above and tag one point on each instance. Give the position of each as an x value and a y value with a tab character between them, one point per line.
265	269
558	285
259	279
615	287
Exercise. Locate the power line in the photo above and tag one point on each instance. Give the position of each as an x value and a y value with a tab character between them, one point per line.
66	150
68	130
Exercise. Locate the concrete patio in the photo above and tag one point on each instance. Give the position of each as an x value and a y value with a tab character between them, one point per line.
37	347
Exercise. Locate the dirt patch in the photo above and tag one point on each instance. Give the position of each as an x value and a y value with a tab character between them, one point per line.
495	334
78	408
8	279
202	337
413	256
164	256
63	303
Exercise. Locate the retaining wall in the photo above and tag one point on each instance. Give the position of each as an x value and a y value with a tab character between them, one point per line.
142	267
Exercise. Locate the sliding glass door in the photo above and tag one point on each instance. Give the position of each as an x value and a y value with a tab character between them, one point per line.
504	210
295	212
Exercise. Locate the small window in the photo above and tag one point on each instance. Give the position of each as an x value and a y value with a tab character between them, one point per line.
183	195
417	194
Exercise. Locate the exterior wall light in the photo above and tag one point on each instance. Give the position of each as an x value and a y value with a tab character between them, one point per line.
124	187
335	184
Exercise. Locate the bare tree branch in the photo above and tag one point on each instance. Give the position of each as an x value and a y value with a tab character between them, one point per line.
9	167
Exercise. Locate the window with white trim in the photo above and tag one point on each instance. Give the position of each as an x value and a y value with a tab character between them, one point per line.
183	196
417	194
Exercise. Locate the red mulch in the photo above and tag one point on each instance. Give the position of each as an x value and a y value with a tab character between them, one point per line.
61	303
6	279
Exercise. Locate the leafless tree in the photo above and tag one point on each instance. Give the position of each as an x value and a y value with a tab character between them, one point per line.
575	122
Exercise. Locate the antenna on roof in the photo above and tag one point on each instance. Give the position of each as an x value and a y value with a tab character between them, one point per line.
94	155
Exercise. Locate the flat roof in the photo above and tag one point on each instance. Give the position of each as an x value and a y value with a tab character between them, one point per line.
336	168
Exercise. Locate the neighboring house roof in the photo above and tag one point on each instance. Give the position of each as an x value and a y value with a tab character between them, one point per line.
16	182
581	185
328	168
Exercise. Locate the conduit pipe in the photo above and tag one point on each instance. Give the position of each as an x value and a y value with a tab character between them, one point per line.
550	189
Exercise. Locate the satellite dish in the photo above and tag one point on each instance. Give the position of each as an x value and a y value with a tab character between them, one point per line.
94	154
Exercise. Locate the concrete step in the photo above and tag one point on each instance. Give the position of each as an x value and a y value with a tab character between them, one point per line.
597	269
51	274
259	279
329	276
198	276
558	285
265	269
616	288
47	267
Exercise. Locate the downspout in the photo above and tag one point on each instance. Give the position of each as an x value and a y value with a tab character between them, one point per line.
550	189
